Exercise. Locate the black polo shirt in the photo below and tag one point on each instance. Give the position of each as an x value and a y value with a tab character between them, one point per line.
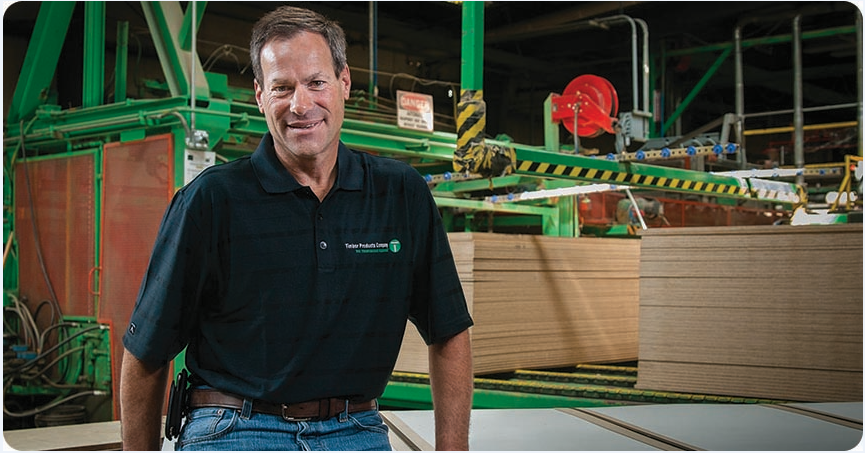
284	298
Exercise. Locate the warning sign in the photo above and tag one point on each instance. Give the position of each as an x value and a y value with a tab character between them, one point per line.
196	161
414	111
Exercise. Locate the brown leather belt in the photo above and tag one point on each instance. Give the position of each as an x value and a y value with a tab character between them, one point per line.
297	412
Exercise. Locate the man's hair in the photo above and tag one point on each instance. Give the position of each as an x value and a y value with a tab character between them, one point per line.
286	22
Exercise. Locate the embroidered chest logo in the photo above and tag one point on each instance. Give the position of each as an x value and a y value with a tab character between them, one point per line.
393	246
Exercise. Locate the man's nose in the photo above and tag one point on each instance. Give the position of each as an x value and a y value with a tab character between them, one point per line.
301	102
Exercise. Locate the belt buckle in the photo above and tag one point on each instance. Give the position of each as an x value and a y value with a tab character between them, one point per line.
289	418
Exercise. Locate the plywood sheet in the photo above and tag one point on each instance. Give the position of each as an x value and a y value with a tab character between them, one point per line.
766	312
543	301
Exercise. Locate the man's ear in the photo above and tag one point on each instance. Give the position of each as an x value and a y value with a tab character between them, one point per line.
257	88
345	79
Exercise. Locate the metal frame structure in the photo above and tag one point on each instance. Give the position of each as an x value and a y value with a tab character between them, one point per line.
228	122
231	127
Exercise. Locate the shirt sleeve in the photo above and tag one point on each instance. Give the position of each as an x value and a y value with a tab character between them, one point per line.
168	297
439	308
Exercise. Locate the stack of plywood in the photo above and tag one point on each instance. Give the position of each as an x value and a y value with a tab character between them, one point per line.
765	311
542	301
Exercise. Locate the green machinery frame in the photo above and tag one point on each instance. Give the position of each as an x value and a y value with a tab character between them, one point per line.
229	122
233	127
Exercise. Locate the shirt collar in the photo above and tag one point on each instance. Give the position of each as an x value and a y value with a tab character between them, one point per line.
274	178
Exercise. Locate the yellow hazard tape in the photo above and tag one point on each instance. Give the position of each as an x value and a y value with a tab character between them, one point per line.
617	177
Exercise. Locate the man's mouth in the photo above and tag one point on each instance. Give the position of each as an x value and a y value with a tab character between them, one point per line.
304	125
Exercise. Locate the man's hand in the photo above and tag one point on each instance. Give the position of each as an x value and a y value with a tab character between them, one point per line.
452	384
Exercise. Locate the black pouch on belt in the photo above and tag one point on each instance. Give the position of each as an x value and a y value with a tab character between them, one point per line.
177	404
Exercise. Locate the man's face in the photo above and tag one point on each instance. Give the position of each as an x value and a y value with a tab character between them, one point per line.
301	98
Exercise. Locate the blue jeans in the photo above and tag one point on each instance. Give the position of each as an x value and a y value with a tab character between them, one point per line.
214	428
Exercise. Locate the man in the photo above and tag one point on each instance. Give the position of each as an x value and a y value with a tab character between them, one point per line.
289	276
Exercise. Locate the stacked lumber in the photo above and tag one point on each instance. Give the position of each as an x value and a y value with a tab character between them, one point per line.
760	311
542	302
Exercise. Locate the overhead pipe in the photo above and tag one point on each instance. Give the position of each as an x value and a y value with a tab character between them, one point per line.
818	108
373	52
634	59
859	77
193	58
645	72
798	115
741	158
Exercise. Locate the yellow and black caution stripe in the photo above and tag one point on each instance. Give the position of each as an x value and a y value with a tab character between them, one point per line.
471	121
628	178
472	154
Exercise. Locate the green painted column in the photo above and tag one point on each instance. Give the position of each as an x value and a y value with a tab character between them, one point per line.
40	63
473	155
696	90
121	61
472	69
186	34
93	86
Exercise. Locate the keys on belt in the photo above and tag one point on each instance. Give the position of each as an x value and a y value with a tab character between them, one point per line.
315	410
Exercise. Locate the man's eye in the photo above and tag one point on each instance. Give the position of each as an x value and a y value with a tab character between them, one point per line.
280	90
317	84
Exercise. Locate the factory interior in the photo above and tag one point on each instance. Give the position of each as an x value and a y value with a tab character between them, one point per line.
658	223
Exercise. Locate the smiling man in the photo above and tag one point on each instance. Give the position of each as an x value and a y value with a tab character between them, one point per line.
289	276
302	99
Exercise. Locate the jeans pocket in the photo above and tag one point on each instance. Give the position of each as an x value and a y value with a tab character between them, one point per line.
369	421
206	424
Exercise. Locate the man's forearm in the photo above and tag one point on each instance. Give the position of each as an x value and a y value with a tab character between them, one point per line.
452	384
142	392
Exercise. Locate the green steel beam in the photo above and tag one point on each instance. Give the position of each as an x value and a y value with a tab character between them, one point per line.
53	127
440	145
536	161
10	261
390	140
165	20
511	208
551	128
121	61
549	215
568	221
517	221
417	396
163	34
542	163
186	32
178	134
98	184
474	185
565	220
472	74
777	39
93	87
411	390
696	90
40	62
747	43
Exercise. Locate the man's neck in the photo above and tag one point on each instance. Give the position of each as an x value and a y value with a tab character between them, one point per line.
318	174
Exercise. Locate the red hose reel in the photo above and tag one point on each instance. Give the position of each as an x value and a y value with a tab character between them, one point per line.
594	102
